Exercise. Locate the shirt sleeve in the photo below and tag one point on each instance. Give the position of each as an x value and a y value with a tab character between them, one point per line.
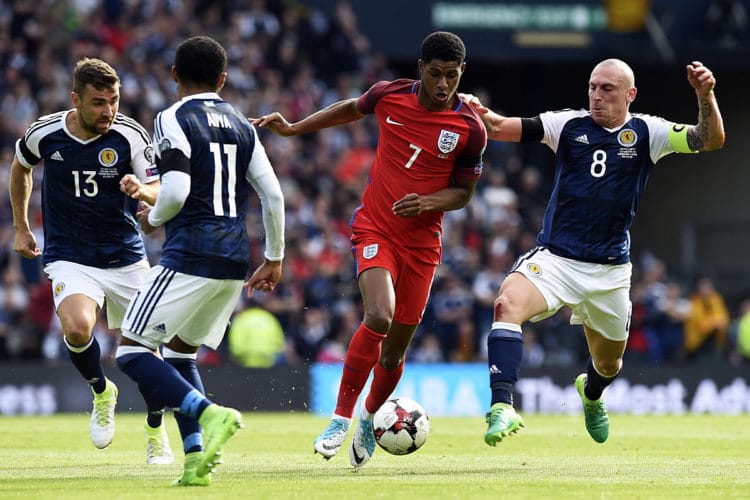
665	137
174	190
262	177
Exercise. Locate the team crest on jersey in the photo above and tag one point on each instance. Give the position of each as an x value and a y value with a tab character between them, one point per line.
370	251
447	141
59	289
107	157
148	153
627	137
534	268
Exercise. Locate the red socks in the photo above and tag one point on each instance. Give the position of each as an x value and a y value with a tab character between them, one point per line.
383	385
363	353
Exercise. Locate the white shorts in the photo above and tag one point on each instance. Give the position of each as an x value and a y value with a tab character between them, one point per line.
194	308
597	294
115	286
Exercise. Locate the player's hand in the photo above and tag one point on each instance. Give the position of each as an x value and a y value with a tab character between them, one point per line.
274	122
265	278
474	102
25	244
700	78
131	186
142	215
408	206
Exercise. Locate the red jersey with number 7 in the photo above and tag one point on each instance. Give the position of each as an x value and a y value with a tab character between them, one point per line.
419	151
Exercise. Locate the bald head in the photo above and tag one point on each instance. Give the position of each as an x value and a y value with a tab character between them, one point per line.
611	90
620	68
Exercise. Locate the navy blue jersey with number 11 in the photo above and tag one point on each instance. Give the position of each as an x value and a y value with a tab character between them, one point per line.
208	237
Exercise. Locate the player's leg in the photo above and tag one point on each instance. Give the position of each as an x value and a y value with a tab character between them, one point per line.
186	365
77	313
603	367
166	385
518	300
606	319
203	320
184	311
120	286
158	451
386	376
416	271
376	286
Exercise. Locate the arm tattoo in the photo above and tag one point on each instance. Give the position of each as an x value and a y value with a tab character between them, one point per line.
698	135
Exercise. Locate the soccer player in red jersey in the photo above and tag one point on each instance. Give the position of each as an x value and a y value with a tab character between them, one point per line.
428	161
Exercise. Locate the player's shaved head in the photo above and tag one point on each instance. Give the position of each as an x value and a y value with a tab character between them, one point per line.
626	72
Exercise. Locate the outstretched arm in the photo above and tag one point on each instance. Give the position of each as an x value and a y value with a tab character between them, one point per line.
499	127
338	113
708	134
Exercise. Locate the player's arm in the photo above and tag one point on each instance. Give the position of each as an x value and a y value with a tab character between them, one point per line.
262	177
444	200
174	190
499	127
133	187
708	134
338	113
21	183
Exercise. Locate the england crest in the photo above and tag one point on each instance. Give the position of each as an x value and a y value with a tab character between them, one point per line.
370	251
447	141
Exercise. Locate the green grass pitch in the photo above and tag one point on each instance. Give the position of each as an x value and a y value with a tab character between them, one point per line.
553	457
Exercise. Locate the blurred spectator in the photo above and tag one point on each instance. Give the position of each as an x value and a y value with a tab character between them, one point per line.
345	321
740	335
563	343
427	349
727	22
255	339
533	351
665	323
664	312
707	324
452	305
487	282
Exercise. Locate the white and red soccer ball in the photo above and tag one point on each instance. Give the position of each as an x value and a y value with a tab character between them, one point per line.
401	426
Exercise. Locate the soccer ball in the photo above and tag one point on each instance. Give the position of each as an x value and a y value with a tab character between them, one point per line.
401	426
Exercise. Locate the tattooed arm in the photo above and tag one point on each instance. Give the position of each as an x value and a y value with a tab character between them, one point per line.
708	134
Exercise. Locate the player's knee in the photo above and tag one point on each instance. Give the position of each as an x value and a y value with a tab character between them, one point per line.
378	318
391	360
78	337
608	367
503	308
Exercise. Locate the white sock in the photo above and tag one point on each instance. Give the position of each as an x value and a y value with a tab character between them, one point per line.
364	414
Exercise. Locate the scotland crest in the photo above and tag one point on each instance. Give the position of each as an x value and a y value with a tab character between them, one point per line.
447	141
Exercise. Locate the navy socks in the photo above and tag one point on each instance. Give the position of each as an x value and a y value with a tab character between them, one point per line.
504	356
87	360
595	382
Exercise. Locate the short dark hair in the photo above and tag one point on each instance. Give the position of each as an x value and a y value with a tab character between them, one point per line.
200	60
95	72
443	45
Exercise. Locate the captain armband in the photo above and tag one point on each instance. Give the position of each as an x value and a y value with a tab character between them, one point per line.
678	138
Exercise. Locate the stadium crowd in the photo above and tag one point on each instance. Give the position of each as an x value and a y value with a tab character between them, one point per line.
293	58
